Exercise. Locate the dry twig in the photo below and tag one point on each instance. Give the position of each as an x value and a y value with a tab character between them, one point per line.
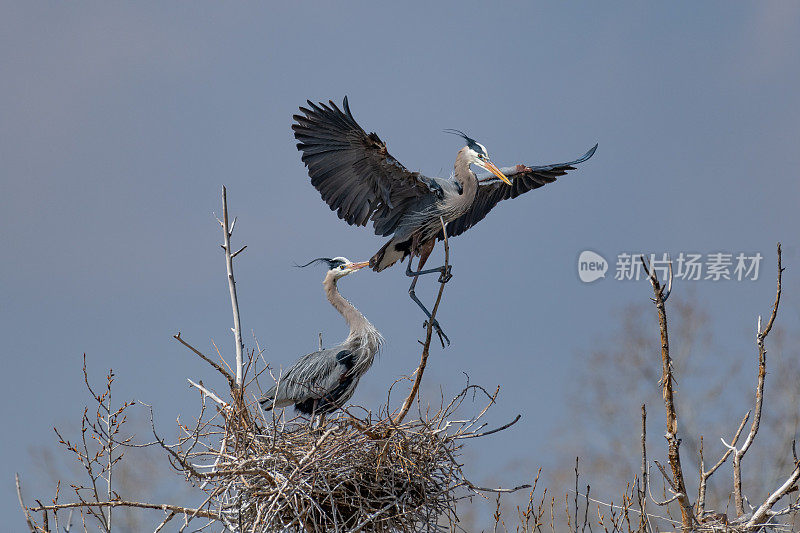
428	334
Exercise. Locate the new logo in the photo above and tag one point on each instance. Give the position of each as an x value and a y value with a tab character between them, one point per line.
591	266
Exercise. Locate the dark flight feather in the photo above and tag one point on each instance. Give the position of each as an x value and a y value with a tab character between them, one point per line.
352	170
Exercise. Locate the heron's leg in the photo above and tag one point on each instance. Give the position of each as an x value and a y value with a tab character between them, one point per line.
413	295
314	415
425	250
444	272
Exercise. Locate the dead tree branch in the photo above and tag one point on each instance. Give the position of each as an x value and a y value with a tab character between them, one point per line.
661	293
764	511
227	231
227	375
705	474
738	453
428	335
25	510
124	503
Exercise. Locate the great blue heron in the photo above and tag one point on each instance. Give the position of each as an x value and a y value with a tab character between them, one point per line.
357	177
322	381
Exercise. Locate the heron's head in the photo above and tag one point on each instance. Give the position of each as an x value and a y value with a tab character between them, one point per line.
338	267
478	156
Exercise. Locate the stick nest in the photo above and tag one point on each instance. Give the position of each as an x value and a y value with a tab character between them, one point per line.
349	475
381	477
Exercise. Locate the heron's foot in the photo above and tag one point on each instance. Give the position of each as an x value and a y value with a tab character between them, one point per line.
446	274
438	329
417	273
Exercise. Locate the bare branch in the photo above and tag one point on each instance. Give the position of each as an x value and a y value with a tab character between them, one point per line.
495	430
237	326
761	335
428	335
763	512
642	493
25	510
705	474
124	503
220	369
208	393
677	482
164	522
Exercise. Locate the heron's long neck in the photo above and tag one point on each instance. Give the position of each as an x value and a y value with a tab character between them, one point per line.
465	176
355	320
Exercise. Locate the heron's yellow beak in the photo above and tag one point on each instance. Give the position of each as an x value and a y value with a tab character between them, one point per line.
488	165
357	266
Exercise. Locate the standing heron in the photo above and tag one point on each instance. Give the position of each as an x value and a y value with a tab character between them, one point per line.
357	177
322	381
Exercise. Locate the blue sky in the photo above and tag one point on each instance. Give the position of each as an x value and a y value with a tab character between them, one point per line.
120	121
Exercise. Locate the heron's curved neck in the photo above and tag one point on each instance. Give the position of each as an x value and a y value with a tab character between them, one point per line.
465	176
355	320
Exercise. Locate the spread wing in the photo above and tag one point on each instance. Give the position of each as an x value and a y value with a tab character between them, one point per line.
353	170
492	190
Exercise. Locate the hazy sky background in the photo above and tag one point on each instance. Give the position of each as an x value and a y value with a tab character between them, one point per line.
120	121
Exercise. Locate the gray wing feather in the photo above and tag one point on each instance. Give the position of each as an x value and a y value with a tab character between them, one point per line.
311	377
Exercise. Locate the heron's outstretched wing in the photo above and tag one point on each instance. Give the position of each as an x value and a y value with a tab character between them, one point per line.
492	190
352	170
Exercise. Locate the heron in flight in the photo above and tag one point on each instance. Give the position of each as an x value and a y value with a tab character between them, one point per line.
322	381
361	181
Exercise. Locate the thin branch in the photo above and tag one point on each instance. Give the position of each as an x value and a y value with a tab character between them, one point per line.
220	369
109	448
766	331
500	490
761	335
124	503
28	519
237	326
762	514
669	481
705	474
642	493
612	506
164	522
495	430
428	335
208	393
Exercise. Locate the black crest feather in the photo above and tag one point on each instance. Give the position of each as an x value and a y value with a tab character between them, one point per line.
327	260
472	143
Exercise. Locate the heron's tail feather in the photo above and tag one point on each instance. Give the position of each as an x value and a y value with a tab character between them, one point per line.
268	400
266	403
389	254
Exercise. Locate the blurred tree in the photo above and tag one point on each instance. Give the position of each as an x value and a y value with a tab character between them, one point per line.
715	388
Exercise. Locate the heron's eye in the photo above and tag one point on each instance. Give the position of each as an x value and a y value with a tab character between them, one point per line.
341	267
